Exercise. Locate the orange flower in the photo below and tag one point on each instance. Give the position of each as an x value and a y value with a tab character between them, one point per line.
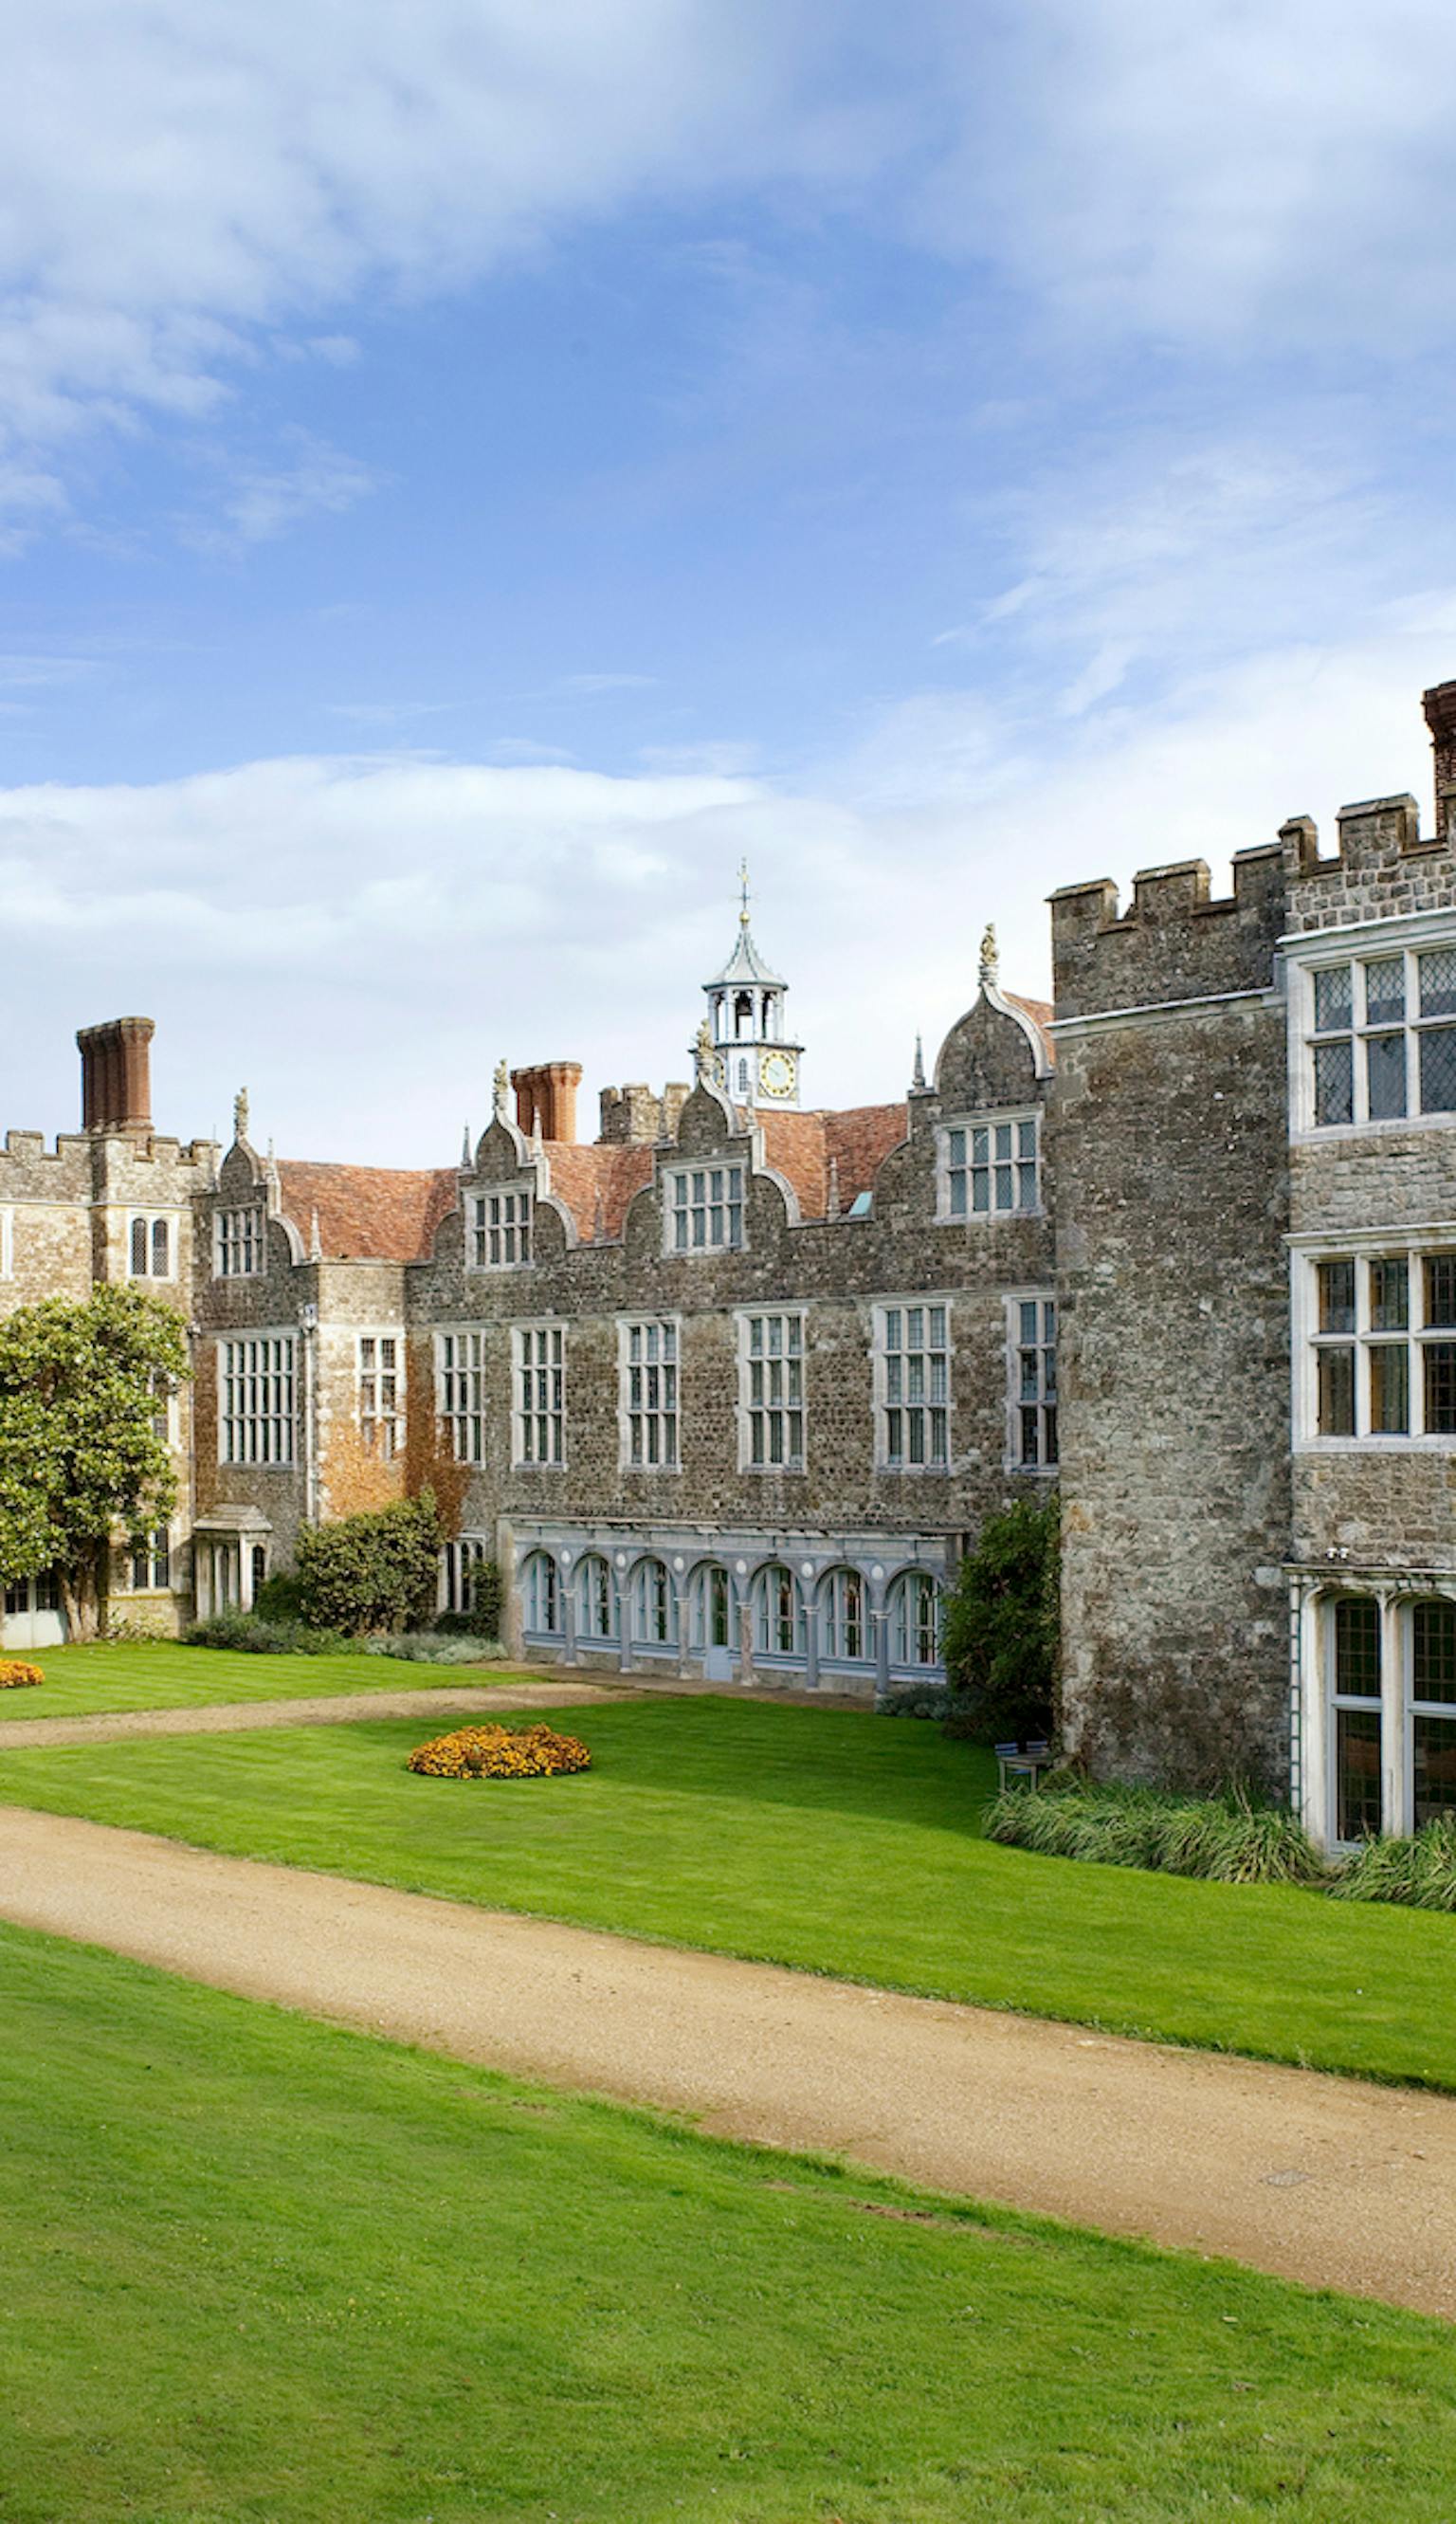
497	1752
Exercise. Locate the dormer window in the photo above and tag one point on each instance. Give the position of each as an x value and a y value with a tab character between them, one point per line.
988	1166
704	1209
501	1230
239	1248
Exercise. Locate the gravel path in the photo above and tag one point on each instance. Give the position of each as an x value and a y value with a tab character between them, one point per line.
1315	2178
236	1716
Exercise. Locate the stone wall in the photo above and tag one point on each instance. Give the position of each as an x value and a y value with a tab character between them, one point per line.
1169	1155
836	1269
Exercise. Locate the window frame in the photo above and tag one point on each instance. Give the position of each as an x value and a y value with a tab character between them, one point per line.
491	1226
881	1311
905	1584
1364	1704
149	1221
1414	1246
1414	1708
458	1558
733	1201
285	1337
390	1420
837	1621
152	1559
1013	1117
540	1582
467	1412
527	1417
795	1319
1045	1465
626	1326
585	1582
1360	947
658	1635
228	1231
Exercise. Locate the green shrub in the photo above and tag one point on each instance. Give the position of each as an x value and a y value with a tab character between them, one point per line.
914	1700
1003	1628
280	1598
1227	1839
256	1637
374	1572
430	1647
1419	1871
486	1599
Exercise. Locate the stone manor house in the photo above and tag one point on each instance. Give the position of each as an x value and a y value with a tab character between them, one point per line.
729	1389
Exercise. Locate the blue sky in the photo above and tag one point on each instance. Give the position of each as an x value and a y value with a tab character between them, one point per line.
468	474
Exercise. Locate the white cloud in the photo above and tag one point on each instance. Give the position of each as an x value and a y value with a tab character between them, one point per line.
260	502
177	178
1205	172
362	936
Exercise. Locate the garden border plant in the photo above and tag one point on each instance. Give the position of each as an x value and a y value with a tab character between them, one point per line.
1230	1838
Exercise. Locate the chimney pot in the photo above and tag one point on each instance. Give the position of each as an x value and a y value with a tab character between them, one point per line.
116	1075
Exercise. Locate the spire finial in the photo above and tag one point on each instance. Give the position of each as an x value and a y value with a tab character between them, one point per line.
990	961
917	1074
743	889
240	1114
832	1195
502	1087
467	1158
315	1248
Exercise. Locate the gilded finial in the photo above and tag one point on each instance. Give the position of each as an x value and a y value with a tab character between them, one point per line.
502	1087
240	1114
702	1050
742	887
990	962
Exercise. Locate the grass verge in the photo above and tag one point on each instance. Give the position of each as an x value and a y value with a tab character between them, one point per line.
264	2271
104	1679
808	1837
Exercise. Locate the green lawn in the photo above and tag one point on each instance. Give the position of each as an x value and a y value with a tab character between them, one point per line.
83	1682
812	1837
264	2271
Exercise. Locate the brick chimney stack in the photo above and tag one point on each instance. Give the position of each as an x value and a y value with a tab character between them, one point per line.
1439	705
545	1098
116	1075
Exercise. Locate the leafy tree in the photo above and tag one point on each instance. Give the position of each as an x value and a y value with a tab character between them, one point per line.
1002	1627
80	1457
372	1572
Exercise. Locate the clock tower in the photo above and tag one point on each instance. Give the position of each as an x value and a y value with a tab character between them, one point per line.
749	1053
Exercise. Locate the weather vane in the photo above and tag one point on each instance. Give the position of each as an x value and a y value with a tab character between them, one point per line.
742	885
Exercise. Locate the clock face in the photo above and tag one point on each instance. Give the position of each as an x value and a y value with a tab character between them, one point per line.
776	1073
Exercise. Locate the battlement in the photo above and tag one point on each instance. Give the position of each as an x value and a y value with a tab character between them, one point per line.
1176	940
1381	867
87	1165
634	1116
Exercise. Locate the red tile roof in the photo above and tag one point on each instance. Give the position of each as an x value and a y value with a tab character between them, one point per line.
582	1175
1040	1012
802	1147
367	1213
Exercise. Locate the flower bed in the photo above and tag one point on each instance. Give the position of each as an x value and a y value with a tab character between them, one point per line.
16	1675
500	1753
